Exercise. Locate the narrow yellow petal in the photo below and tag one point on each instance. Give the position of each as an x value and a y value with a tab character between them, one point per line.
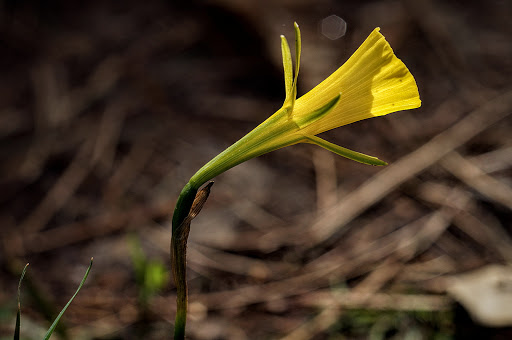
317	114
344	152
298	47
373	82
288	70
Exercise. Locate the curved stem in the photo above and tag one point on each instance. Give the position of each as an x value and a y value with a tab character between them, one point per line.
180	231
189	204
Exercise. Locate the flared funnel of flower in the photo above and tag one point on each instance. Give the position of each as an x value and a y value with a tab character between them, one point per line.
373	82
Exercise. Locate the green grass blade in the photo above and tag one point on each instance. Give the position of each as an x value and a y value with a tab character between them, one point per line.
18	314
52	328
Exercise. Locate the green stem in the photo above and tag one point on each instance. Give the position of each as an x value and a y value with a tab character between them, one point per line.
180	232
183	205
277	128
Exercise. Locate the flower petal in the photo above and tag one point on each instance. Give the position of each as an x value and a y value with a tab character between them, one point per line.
288	70
298	47
353	155
373	82
317	114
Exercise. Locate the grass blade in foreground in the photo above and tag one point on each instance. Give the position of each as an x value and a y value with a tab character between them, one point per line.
18	315
52	327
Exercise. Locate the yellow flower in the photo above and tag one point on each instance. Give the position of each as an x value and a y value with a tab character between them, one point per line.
373	82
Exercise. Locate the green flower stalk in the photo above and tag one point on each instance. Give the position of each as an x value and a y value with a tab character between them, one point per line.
372	82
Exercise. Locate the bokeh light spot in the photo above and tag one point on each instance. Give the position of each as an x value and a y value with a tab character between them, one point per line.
334	27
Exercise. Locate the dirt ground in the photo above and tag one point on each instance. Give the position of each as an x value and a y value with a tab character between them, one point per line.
108	108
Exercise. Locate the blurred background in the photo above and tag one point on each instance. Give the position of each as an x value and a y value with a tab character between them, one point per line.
107	108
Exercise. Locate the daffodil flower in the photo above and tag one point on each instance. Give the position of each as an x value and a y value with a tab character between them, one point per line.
373	82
